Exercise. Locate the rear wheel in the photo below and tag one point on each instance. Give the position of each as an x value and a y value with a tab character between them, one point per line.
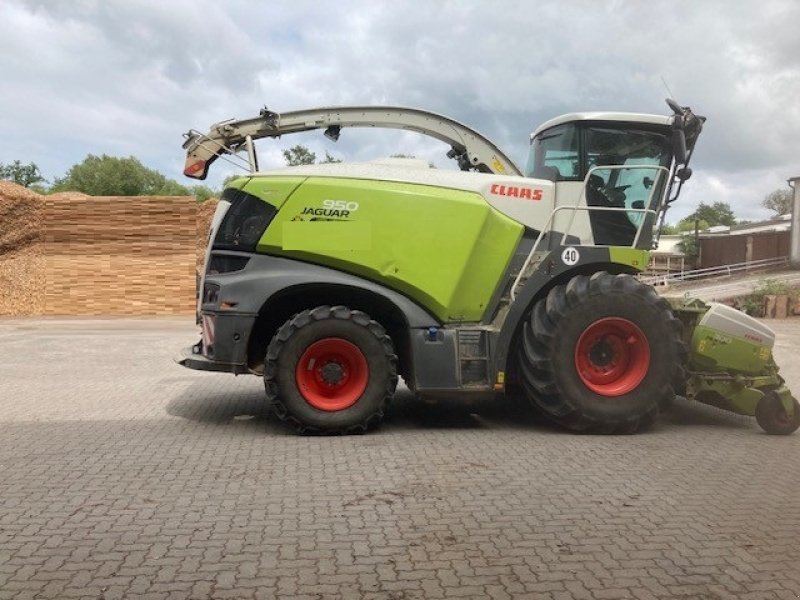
601	354
772	417
330	370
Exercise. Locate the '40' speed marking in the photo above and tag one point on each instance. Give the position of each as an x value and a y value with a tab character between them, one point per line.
570	256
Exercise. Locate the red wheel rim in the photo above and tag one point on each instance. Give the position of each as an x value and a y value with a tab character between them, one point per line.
332	374
612	356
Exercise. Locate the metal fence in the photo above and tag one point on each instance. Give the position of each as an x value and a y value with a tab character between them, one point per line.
754	266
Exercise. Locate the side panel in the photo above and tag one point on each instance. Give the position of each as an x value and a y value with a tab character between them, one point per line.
728	340
265	276
239	182
446	249
575	222
435	359
528	201
632	257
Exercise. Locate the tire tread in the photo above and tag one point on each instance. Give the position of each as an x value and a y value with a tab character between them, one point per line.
292	327
538	368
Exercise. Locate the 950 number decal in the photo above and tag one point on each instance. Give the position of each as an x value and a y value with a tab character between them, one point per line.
331	210
340	205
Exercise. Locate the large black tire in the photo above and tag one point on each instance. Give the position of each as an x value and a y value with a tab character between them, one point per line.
601	354
330	370
772	416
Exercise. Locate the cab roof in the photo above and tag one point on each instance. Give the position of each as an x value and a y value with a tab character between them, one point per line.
604	116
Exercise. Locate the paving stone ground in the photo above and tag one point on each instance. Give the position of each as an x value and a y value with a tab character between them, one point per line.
123	475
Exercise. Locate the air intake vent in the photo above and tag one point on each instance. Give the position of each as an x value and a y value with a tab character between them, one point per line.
471	343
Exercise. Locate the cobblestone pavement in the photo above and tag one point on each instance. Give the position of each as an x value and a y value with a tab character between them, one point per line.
124	476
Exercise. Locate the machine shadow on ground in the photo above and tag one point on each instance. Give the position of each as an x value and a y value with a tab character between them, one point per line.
407	412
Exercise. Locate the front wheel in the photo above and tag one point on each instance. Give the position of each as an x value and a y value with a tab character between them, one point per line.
330	370
773	418
601	354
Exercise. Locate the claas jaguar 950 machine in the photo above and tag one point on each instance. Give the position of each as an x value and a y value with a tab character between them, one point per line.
332	280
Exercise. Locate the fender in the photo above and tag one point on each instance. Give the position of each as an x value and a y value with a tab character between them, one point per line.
559	266
265	275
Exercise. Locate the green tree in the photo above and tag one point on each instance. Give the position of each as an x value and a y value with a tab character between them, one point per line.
113	176
24	175
719	213
170	187
689	246
688	225
299	155
779	201
203	192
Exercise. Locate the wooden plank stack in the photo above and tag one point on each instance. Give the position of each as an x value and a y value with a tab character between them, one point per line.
72	254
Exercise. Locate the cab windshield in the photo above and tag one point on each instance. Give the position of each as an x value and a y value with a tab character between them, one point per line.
630	148
571	151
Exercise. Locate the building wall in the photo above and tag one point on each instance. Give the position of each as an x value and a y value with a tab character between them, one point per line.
732	249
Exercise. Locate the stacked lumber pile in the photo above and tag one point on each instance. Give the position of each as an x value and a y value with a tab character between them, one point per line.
72	254
120	255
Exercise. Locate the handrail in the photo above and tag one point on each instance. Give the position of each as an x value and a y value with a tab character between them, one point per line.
563	239
576	207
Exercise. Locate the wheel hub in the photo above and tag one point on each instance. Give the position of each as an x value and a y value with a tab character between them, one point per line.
601	353
612	356
332	374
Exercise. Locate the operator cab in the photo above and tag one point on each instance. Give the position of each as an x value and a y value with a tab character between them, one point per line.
615	166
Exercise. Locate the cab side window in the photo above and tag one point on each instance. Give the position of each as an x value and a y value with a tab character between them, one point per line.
555	155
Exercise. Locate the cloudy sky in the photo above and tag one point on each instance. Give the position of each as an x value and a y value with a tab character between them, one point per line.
128	77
